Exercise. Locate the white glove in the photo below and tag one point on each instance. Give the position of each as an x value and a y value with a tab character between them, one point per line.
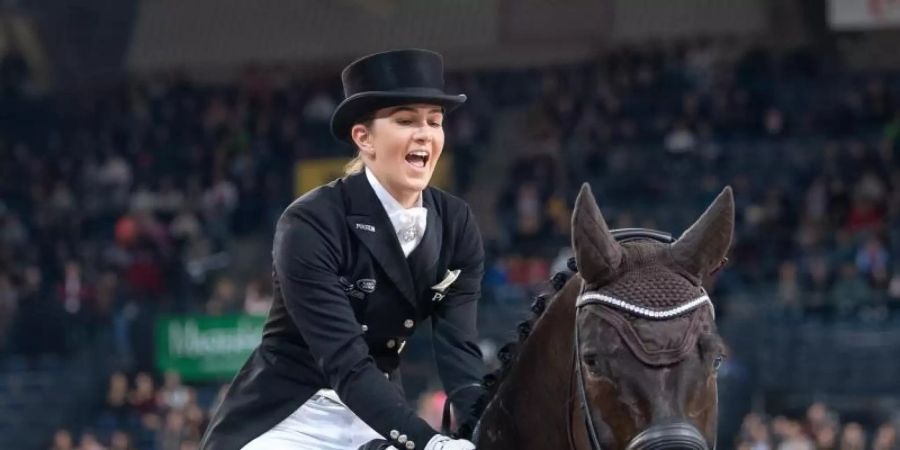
441	442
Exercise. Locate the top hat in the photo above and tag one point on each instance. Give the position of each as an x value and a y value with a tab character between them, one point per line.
396	77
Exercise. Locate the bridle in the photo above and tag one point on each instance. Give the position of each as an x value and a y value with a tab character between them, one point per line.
587	297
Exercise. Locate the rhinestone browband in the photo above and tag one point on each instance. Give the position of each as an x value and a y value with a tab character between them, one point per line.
592	297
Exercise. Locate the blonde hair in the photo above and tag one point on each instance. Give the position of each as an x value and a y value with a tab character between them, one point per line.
356	165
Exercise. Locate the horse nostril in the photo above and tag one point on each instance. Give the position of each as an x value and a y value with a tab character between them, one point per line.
674	436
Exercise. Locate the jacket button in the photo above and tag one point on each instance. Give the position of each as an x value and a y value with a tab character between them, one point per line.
408	323
391	343
402	439
394	434
410	445
365	328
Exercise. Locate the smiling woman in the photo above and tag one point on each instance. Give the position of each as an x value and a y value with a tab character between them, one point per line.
359	264
401	147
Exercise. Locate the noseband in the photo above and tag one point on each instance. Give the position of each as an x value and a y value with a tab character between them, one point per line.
587	297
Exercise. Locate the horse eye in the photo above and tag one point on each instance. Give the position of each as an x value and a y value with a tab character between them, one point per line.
592	361
718	362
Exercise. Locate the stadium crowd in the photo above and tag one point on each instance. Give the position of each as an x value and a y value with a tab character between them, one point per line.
119	203
820	429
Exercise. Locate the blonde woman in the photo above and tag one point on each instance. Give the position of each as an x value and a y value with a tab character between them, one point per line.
359	264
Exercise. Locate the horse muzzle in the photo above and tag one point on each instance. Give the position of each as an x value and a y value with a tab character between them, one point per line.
673	436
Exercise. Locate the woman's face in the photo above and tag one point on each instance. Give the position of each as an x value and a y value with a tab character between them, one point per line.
402	147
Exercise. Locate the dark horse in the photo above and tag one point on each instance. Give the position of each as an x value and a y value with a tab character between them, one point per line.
626	353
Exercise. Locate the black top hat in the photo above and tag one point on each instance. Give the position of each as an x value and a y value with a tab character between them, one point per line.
391	78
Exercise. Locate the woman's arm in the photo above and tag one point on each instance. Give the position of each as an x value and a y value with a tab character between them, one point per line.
456	350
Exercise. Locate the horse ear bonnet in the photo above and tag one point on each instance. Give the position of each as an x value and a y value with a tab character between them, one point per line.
652	286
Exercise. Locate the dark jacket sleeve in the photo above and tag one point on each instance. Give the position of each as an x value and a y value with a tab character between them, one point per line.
456	350
307	258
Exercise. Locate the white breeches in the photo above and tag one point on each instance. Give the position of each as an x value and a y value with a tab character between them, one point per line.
322	423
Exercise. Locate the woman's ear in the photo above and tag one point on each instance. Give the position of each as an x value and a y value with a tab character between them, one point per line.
362	137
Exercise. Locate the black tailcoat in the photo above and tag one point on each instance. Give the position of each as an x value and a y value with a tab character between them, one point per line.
345	301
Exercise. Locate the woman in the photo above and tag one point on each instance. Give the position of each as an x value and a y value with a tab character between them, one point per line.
359	263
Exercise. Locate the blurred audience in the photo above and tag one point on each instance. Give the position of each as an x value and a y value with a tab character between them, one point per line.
821	429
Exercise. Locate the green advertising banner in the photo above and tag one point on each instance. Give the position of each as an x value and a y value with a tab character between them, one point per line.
204	348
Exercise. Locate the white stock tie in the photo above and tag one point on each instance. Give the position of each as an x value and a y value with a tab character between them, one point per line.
410	226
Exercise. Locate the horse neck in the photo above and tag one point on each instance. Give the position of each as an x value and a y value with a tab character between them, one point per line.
531	408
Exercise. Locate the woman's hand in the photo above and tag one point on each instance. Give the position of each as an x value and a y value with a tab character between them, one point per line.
441	442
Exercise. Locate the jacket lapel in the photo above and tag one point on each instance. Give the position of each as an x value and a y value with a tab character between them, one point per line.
423	260
369	222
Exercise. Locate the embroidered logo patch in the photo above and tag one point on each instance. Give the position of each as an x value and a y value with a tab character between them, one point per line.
365	227
366	285
441	287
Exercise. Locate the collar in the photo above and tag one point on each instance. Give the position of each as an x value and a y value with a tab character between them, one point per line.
390	204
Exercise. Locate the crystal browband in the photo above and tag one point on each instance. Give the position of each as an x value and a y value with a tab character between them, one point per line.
592	297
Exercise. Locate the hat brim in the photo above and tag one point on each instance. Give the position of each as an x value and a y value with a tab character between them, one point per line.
360	104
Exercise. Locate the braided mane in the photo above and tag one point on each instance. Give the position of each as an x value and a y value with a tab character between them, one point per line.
508	353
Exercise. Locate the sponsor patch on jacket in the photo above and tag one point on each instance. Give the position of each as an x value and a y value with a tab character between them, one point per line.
366	285
365	227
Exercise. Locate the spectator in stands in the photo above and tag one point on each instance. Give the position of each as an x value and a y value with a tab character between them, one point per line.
40	327
257	298
117	409
8	305
793	438
754	434
853	437
62	440
120	440
885	437
850	291
173	431
142	399
224	298
826	437
788	291
173	394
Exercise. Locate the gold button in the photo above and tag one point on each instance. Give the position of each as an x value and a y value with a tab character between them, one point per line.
408	323
391	343
365	328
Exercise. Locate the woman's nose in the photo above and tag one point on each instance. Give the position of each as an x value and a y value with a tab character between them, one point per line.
423	134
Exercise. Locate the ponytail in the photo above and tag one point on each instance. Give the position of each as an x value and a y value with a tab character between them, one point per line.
355	165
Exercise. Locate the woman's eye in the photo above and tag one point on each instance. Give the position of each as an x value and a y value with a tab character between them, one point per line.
435	124
404	121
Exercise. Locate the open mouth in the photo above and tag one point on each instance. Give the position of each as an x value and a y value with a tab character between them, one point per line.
418	159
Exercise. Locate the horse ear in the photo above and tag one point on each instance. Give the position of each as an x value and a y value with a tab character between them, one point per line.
597	254
702	248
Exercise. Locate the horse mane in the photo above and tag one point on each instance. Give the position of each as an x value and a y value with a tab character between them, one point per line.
508	353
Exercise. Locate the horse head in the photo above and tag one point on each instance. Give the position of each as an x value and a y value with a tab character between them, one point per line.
646	346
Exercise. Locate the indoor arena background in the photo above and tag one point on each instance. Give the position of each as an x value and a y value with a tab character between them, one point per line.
148	147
